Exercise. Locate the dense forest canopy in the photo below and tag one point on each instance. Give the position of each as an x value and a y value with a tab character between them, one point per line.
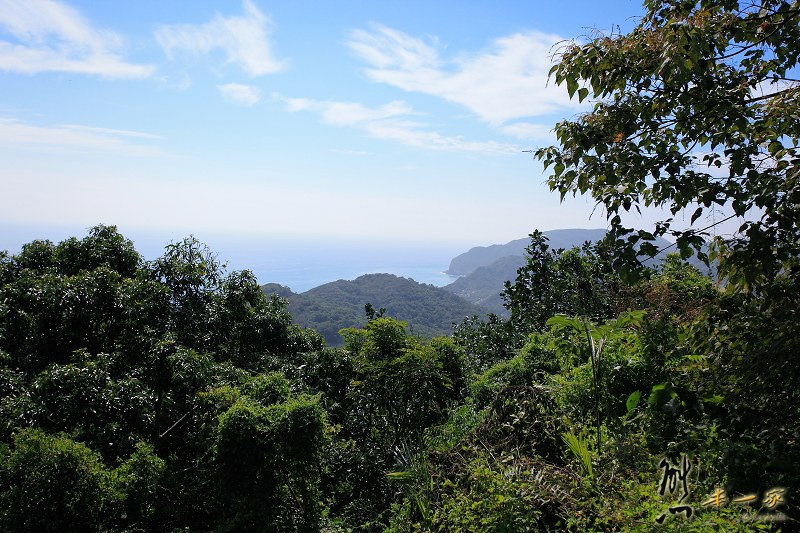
172	395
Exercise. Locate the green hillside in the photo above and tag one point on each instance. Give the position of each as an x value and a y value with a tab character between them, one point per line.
428	310
484	285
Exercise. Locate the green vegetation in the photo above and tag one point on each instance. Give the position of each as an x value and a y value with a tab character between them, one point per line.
428	310
170	395
257	426
132	392
484	285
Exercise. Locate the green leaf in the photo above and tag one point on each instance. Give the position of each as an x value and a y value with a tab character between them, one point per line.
633	401
582	94
406	475
563	321
661	394
572	86
580	449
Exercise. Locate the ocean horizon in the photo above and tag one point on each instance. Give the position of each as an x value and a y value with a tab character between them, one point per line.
300	263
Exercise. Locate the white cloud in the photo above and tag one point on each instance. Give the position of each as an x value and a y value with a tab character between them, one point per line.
391	122
51	36
349	113
242	38
530	131
236	93
411	134
74	138
507	81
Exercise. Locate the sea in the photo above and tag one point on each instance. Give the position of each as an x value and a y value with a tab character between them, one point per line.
298	262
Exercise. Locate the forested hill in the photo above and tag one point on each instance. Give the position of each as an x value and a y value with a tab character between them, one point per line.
429	311
484	285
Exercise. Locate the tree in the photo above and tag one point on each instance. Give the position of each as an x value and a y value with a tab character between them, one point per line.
403	385
398	388
52	484
697	107
133	363
579	281
268	456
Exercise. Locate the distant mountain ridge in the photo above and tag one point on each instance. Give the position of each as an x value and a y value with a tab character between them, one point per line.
430	311
485	269
479	256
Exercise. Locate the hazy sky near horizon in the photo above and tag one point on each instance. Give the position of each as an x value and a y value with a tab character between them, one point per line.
293	119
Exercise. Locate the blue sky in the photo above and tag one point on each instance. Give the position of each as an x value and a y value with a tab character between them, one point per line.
358	120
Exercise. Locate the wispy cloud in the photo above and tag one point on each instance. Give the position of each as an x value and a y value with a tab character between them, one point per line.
530	131
110	131
349	113
236	93
75	138
393	122
348	151
507	81
244	39
48	36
